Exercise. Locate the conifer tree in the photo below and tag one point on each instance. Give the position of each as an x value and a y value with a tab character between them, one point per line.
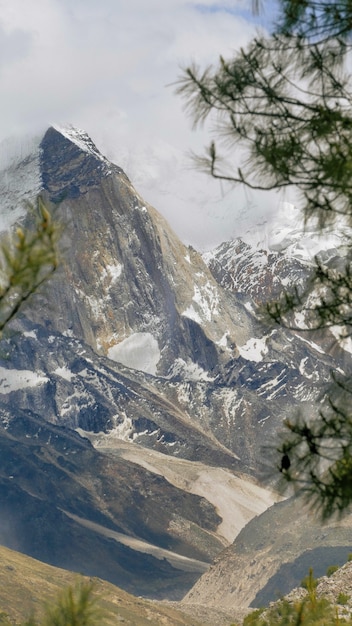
74	606
284	104
27	259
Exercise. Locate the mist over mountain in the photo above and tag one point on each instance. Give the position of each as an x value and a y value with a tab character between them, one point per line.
139	389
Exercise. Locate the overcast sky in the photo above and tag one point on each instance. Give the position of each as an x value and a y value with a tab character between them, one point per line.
105	66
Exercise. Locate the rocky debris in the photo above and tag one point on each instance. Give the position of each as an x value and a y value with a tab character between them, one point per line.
68	505
208	616
136	339
271	556
337	589
258	273
176	362
340	582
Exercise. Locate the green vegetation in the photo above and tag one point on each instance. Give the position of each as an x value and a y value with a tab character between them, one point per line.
27	260
309	582
301	613
74	607
342	598
28	587
311	610
283	108
331	570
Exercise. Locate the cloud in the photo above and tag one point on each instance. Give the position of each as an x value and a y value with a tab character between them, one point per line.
13	46
206	7
105	66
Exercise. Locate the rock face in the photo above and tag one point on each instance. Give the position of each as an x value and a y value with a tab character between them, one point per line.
64	503
136	339
129	287
271	555
261	274
284	259
213	382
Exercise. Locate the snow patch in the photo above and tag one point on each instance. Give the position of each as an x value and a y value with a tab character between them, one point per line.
20	179
206	298
97	305
114	270
192	314
30	333
249	307
190	371
311	375
254	350
65	373
139	351
344	342
79	400
231	401
302	366
271	388
123	429
312	344
81	140
12	380
222	343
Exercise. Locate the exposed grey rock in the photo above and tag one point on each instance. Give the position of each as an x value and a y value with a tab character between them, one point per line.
272	555
219	382
336	588
136	338
68	505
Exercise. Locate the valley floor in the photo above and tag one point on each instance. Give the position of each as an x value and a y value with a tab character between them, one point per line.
208	616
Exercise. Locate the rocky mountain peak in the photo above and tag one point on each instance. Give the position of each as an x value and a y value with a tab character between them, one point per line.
135	339
129	289
70	163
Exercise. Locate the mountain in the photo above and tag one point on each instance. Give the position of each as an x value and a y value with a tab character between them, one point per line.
273	553
132	292
66	504
140	396
124	296
276	258
133	281
333	589
275	550
27	586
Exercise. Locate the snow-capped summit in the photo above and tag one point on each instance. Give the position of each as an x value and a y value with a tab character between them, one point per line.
70	163
286	231
134	294
29	165
81	139
137	293
134	340
131	291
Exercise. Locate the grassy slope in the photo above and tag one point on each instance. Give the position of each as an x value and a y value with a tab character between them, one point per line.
26	584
